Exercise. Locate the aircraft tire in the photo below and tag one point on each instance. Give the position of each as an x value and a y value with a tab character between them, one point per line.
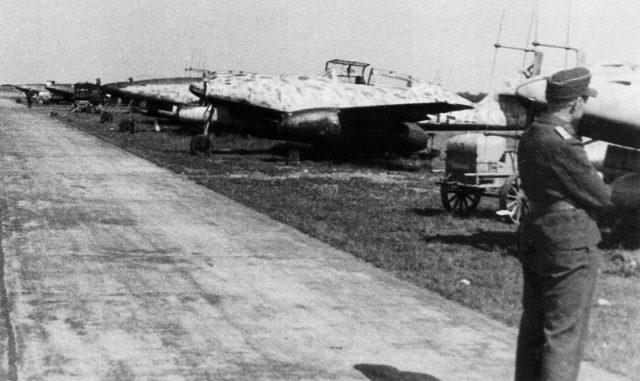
201	144
106	117
127	126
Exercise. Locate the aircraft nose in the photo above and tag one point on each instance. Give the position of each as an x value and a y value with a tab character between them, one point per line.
533	90
198	89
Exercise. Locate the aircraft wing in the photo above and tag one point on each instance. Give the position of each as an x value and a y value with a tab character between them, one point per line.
168	94
509	112
247	111
158	99
408	112
67	92
144	97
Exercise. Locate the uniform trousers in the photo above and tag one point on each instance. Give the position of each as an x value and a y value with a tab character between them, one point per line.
558	293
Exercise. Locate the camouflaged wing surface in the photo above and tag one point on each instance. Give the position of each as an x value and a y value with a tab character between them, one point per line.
173	90
288	93
163	90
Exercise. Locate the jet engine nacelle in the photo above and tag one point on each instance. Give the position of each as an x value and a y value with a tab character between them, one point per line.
325	126
316	126
195	114
45	95
410	138
625	192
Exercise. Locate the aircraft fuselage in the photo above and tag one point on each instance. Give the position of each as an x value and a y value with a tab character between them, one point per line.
322	111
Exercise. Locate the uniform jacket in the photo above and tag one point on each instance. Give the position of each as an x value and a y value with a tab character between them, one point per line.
553	166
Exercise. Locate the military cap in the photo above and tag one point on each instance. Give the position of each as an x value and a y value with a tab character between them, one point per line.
570	83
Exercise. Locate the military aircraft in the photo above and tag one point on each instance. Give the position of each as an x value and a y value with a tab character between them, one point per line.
161	97
489	114
40	93
61	91
30	87
325	111
32	90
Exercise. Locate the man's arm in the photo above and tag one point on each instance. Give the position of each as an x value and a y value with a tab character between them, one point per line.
580	178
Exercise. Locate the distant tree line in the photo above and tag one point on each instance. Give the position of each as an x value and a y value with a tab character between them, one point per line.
475	98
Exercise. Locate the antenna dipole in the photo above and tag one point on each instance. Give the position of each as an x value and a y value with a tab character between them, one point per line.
566	52
496	46
534	18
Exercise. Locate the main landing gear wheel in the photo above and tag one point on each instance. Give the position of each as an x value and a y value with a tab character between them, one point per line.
512	199
201	144
127	126
106	117
458	201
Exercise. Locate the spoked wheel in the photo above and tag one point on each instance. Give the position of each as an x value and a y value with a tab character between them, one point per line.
513	200
459	201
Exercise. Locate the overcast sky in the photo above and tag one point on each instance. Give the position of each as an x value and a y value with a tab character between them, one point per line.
71	41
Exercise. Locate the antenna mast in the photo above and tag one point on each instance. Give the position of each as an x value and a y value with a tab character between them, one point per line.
496	45
534	18
566	52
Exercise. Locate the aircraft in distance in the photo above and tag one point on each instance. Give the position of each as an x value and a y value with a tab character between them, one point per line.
40	93
33	90
326	112
62	91
161	97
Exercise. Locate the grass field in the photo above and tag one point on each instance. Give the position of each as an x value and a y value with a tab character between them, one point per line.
392	219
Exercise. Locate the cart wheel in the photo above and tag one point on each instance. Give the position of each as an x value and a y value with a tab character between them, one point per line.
457	201
512	199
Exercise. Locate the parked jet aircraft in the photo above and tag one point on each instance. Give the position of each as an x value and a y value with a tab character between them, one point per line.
32	90
62	91
488	114
40	93
324	111
31	87
163	97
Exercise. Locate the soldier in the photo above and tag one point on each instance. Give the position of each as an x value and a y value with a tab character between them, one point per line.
558	238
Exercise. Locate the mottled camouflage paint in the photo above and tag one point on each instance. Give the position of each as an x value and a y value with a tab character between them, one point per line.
289	93
171	90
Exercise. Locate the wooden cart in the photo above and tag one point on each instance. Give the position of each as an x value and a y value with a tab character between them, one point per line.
479	164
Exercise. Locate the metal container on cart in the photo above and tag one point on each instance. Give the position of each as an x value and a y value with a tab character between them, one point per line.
481	164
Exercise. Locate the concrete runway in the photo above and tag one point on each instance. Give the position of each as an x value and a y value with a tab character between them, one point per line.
116	269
